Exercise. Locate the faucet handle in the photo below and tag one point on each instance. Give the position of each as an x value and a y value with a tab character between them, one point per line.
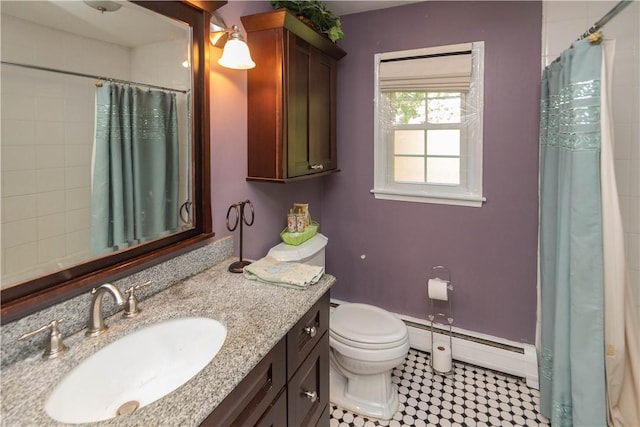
55	346
131	306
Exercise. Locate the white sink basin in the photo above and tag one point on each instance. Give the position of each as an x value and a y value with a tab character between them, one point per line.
139	368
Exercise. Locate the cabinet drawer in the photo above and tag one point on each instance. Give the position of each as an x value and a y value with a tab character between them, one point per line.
308	390
276	415
252	397
306	333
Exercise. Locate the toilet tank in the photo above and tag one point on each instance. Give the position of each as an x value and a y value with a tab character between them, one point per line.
310	252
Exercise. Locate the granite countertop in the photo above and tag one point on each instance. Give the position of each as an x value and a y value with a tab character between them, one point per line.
256	316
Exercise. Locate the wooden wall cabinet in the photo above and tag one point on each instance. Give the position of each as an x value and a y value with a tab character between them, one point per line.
291	99
290	385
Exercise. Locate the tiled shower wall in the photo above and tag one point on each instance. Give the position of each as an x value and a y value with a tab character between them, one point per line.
563	22
47	137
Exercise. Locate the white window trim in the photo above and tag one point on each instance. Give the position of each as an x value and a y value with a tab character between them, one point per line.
424	193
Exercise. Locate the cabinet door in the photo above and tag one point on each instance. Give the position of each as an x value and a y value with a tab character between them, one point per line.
311	136
308	389
325	418
322	112
297	99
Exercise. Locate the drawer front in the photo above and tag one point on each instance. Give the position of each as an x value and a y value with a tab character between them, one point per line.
308	389
276	415
303	337
252	397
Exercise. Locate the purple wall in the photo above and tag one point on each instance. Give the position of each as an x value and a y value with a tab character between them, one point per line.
491	251
229	156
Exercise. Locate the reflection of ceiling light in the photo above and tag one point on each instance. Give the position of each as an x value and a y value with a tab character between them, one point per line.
236	53
103	5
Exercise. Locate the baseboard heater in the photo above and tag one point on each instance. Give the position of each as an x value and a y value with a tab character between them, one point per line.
509	357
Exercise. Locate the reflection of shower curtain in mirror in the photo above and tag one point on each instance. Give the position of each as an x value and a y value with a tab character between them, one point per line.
135	167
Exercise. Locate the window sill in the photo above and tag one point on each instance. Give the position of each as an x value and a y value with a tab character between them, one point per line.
435	198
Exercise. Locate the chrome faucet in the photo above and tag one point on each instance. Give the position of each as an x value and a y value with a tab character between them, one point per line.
96	325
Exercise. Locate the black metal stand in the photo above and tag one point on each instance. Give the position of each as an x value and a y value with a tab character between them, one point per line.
238	266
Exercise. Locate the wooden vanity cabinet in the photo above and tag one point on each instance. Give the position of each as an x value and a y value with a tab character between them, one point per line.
291	96
256	395
290	385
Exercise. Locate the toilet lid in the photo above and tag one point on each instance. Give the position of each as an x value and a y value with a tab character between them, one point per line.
367	324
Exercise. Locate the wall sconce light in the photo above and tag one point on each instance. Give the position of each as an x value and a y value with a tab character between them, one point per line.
236	52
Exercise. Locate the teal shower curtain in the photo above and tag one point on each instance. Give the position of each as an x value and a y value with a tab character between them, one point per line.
135	169
572	371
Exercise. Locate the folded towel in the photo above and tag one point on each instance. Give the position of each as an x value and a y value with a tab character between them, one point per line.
289	274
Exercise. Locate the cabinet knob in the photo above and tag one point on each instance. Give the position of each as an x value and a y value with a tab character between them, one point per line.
317	167
311	395
311	331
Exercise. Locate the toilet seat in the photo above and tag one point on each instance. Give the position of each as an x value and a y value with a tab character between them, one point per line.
366	326
363	345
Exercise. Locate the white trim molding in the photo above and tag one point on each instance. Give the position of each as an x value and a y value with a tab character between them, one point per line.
426	197
469	191
498	354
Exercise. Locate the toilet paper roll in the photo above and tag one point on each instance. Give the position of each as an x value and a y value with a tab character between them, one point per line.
437	289
441	358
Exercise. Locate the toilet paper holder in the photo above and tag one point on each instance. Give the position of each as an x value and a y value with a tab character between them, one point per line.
444	317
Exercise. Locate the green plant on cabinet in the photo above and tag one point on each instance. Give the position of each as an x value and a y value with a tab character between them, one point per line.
316	12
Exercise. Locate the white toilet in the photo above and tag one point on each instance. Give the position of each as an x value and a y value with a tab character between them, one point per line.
366	343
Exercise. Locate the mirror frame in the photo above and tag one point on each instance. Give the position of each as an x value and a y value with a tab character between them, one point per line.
33	295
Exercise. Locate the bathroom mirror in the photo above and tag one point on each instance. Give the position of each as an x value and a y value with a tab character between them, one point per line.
51	134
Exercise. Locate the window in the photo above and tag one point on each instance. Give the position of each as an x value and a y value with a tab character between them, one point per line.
428	136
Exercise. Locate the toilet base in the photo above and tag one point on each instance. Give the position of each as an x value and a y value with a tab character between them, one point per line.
373	396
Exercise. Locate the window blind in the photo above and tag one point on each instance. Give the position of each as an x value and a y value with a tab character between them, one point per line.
438	71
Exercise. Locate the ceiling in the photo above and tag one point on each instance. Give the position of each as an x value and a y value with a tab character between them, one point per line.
76	17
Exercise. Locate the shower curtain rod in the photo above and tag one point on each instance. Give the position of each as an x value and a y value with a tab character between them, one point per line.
606	18
90	76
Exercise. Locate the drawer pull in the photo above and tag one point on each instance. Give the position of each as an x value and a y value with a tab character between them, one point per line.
317	167
311	395
311	331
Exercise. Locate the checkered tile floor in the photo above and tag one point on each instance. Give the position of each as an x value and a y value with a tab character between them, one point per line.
473	397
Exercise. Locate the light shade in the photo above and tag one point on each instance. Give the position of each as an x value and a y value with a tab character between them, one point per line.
236	52
236	55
